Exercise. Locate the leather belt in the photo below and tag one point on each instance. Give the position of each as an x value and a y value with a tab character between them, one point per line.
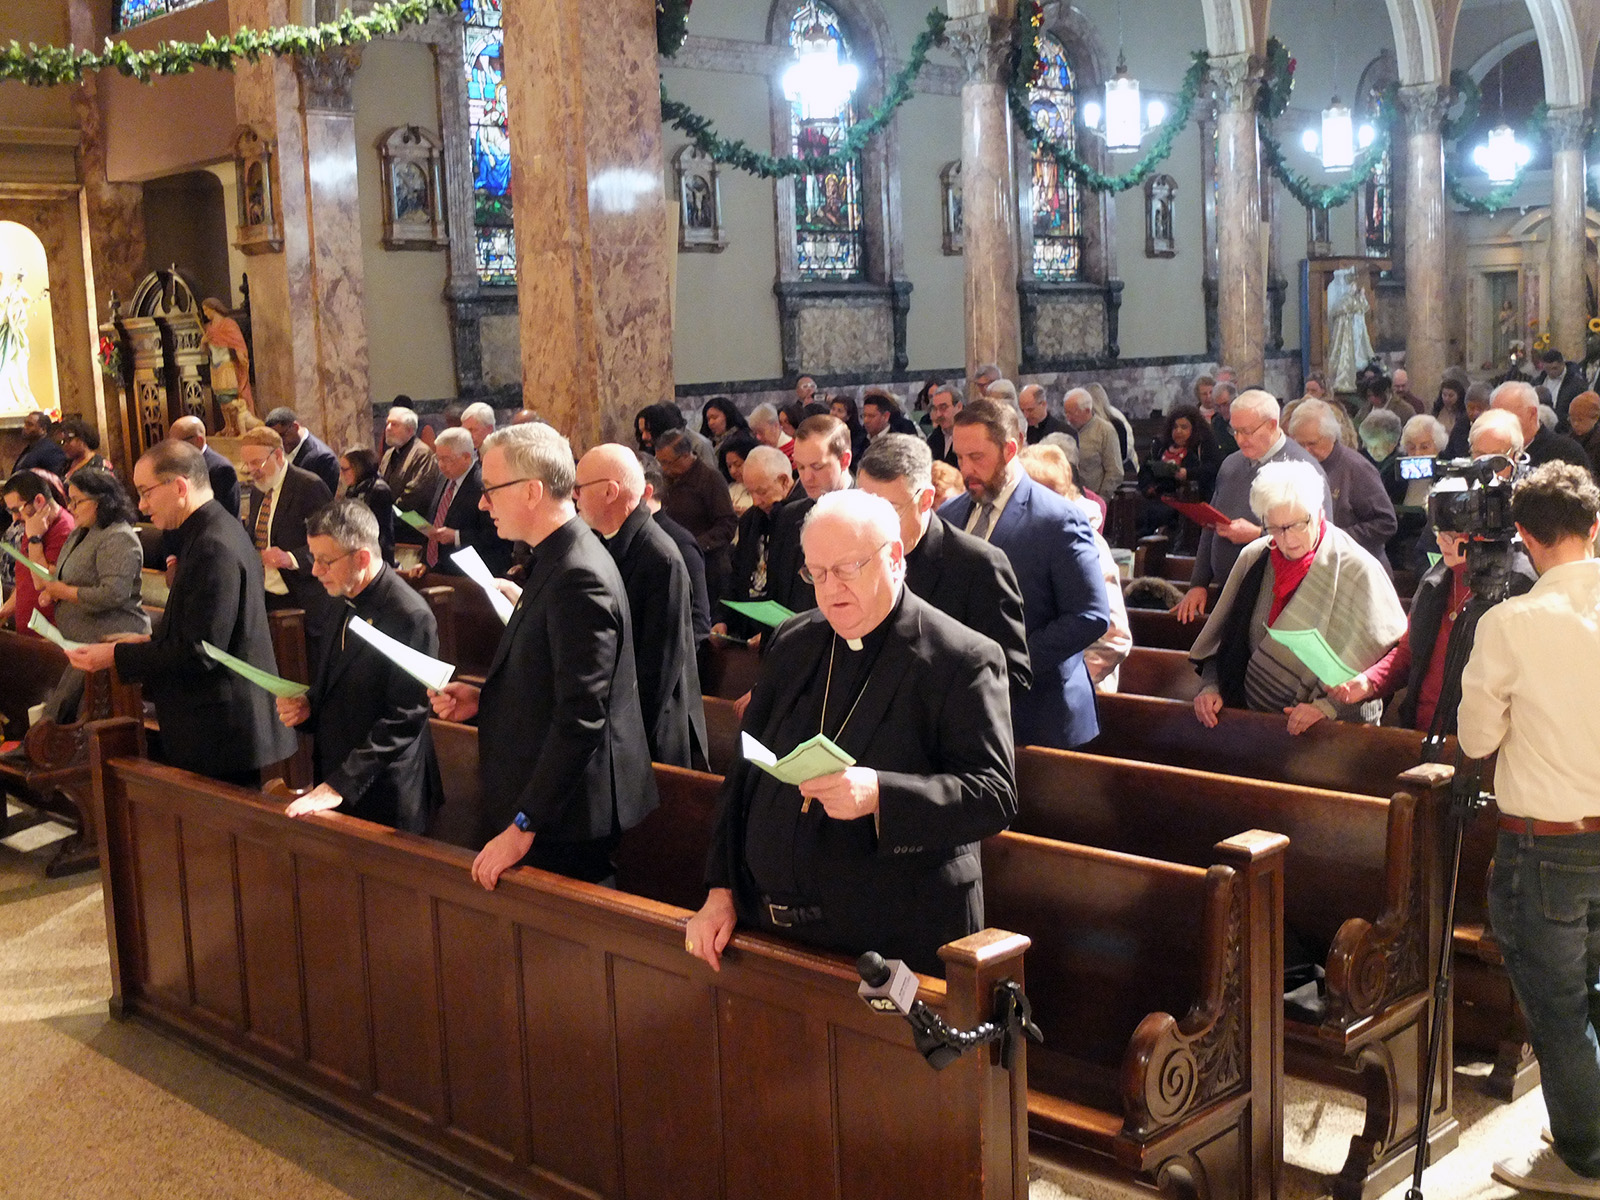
787	916
1528	825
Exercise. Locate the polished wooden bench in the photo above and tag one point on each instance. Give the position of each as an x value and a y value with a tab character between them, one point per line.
1148	671
722	731
548	1038
1364	894
1161	629
728	669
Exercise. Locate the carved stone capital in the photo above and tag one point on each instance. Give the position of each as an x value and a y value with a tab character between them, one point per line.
983	44
327	79
1235	81
1423	107
1567	128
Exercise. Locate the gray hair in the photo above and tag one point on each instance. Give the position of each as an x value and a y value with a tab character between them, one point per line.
676	440
1254	402
170	459
1319	411
769	460
537	451
1223	389
859	508
1287	484
1497	420
479	412
1003	390
899	456
1064	442
404	415
350	523
1077	400
762	416
1516	397
457	441
1381	427
1422	425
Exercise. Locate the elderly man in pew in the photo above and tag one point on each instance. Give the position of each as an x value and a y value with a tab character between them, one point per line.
1531	691
962	576
610	492
881	855
372	752
213	722
1305	574
565	764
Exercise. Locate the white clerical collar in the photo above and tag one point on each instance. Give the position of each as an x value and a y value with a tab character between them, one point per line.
854	643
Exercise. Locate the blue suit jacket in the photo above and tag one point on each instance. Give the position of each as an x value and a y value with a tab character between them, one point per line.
1064	609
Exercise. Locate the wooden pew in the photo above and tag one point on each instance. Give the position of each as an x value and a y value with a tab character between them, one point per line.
1152	672
549	1038
1161	629
722	731
474	628
728	669
29	669
1363	884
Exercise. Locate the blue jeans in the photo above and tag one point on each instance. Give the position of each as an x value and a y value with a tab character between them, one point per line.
1544	907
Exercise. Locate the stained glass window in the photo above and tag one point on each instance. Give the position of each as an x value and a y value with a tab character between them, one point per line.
132	12
829	239
491	144
1057	205
1378	210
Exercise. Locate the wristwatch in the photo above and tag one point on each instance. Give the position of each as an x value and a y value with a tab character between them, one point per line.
35	541
521	822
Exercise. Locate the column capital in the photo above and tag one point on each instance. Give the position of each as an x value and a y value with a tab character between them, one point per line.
327	79
983	44
1236	80
1423	106
1567	128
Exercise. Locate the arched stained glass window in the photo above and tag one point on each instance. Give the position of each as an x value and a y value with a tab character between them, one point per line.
1378	210
829	240
1057	205
491	144
132	12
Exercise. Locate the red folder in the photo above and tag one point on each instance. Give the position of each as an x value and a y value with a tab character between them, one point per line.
1198	511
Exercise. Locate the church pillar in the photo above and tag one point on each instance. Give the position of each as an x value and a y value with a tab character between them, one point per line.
1240	265
593	289
1569	250
307	316
1427	318
979	30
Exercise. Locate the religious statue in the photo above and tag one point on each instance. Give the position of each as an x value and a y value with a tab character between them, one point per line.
230	368
16	395
1349	345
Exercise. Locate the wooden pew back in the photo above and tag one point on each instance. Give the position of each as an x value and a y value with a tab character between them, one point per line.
29	669
728	670
1161	629
1152	672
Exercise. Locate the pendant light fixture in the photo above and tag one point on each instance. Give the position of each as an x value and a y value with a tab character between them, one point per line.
1126	118
1501	157
1336	144
818	81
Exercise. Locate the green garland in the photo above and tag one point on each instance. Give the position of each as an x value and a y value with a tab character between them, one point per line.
49	66
672	26
1466	87
1500	197
1314	195
741	157
1277	81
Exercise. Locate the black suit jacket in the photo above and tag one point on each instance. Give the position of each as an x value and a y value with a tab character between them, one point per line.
785	556
314	455
301	494
943	451
47	455
224	480
934	721
1050	424
966	578
369	719
662	613
1556	447
473	524
212	721
1572	383
560	732
694	559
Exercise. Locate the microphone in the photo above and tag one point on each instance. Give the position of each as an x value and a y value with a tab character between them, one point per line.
887	985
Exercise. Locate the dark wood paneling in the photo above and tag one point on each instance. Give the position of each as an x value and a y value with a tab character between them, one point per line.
403	982
335	984
213	925
166	950
896	1097
271	948
482	1042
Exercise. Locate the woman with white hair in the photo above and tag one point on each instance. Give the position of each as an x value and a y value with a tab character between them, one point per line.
1306	573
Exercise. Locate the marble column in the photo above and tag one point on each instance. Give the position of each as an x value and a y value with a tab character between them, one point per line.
1241	306
308	321
593	289
1422	109
1569	248
979	32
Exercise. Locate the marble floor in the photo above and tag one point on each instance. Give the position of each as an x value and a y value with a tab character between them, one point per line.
96	1109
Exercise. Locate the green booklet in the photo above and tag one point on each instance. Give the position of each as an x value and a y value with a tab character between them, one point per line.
1434	559
410	518
1311	648
42	626
811	759
263	679
768	612
41	571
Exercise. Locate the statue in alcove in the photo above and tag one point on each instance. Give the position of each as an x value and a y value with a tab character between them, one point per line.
230	368
16	394
1349	344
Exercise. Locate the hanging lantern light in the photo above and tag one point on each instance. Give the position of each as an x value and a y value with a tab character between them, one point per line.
1124	112
818	81
1338	137
1501	156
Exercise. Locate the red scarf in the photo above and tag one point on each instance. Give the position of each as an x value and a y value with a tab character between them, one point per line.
1289	573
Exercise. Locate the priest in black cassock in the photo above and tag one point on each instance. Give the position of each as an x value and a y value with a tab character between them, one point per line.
882	855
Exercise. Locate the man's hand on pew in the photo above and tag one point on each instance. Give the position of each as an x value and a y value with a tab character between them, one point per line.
1354	692
844	795
97	657
319	799
1206	707
1303	716
455	702
292	711
1239	531
1192	605
504	851
739	705
708	931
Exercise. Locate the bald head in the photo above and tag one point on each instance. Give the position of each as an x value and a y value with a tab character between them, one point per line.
610	486
1522	402
189	429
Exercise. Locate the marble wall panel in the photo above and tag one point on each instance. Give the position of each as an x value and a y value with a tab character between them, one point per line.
1069	326
499	336
838	337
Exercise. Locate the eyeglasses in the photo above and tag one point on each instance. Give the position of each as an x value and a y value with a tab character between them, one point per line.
578	487
81	500
489	491
1252	431
1300	526
843	572
327	563
144	493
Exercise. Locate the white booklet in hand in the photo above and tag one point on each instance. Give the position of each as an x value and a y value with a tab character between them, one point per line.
811	759
476	570
429	672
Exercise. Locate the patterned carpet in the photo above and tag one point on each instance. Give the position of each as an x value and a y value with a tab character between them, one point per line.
94	1108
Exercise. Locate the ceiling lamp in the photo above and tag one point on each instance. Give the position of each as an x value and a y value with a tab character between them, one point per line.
1502	156
1126	119
1337	142
818	81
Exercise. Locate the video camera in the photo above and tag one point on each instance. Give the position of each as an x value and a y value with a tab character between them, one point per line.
1470	497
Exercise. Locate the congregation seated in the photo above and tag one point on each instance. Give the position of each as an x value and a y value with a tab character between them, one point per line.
1306	573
